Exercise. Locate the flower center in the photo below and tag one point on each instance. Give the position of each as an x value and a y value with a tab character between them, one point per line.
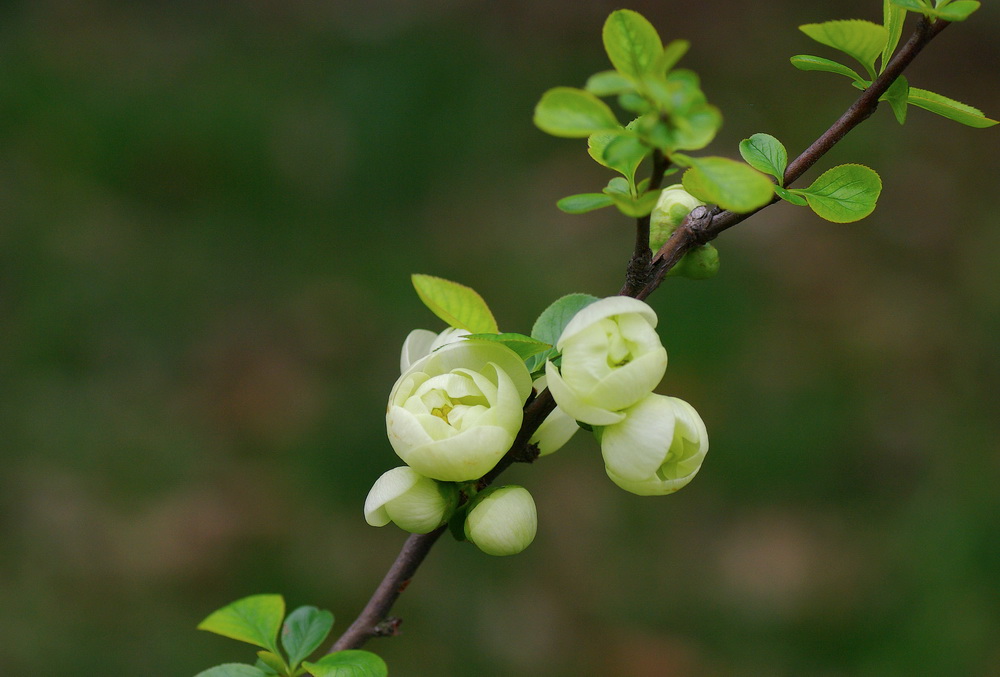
442	412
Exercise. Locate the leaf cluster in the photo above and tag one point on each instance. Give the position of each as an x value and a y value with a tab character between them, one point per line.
257	620
872	45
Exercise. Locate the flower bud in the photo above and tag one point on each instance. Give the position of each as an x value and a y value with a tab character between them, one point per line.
454	413
557	428
502	520
611	358
700	263
657	449
415	503
420	343
673	205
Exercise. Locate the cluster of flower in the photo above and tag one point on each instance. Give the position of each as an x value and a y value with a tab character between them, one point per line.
458	405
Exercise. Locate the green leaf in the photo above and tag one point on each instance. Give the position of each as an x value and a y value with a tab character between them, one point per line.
844	194
635	207
349	663
584	202
731	185
255	619
618	186
953	11
271	662
550	324
456	304
789	196
232	670
672	53
624	156
897	95
860	39
573	113
949	108
524	346
304	630
632	44
765	153
608	83
807	62
892	18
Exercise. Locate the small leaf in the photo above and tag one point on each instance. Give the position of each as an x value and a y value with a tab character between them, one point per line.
789	196
456	304
892	18
860	39
807	62
765	153
349	663
949	108
573	113
618	186
844	194
304	630
953	11
635	207
897	95
584	202
608	83
632	43
672	53
550	324
625	158
524	346
255	619
232	670
731	185
271	662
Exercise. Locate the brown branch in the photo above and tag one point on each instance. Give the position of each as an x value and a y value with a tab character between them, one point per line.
639	266
702	225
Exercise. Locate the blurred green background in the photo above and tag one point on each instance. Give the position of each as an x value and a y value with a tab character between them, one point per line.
209	215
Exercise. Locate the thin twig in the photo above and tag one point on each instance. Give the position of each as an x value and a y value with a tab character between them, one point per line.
702	225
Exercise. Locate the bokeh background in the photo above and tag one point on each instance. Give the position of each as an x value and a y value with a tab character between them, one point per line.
210	211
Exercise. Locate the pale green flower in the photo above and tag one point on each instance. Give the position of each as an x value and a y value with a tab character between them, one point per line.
454	413
502	521
557	428
657	449
413	502
611	358
672	206
420	343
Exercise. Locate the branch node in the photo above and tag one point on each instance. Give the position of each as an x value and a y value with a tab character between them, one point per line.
387	628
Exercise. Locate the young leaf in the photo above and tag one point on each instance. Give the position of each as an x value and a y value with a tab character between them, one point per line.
672	53
632	44
550	324
807	62
456	304
789	196
524	346
949	108
765	153
349	663
232	670
892	18
584	202
959	10
573	113
635	207
627	155
844	194
897	95
304	630
860	39
270	663
731	185
608	83
255	619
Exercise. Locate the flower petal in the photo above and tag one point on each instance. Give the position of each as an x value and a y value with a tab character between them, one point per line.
635	448
573	405
598	310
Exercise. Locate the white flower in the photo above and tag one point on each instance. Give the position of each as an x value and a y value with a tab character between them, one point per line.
611	358
672	206
502	521
657	449
420	343
415	503
556	430
454	413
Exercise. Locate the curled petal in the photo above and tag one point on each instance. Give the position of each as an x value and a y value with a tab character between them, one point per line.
626	385
636	448
415	503
466	456
598	310
417	345
574	405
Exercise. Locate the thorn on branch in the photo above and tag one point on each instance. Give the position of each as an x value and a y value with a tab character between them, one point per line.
387	628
